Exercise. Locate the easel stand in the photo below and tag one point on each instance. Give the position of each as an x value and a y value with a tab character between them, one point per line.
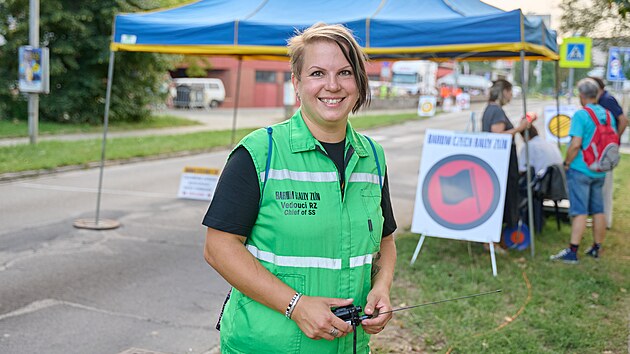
421	241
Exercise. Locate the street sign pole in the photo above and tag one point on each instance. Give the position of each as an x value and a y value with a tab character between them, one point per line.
570	85
33	98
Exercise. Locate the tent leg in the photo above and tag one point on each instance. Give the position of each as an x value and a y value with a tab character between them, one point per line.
558	102
236	97
530	206
97	223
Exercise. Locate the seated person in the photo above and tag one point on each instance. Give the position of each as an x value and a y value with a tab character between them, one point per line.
542	153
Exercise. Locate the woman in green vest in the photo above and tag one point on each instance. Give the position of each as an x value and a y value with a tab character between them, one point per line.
301	219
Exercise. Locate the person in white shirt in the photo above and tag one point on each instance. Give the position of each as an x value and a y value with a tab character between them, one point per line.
542	153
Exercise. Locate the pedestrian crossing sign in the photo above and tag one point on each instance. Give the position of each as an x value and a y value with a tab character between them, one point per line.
575	52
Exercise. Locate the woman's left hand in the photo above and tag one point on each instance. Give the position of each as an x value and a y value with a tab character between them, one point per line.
377	302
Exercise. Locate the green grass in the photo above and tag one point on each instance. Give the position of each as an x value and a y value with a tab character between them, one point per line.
18	128
52	154
559	308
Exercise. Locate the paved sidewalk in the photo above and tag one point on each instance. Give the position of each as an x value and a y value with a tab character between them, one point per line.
216	119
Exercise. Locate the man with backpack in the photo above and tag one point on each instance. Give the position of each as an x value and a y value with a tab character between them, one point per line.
594	149
609	102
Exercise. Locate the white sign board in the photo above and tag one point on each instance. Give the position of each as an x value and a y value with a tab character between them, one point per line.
557	125
426	106
461	185
198	183
463	101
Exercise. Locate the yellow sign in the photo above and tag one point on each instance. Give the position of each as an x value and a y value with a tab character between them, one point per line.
201	170
575	52
426	106
559	126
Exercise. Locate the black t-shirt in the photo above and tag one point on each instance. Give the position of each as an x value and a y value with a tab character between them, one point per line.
234	207
492	115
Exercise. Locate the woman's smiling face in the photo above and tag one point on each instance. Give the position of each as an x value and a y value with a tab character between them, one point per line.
326	87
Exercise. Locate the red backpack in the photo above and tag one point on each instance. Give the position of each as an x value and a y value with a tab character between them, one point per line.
602	152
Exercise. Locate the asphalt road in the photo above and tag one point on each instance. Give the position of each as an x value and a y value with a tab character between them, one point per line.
144	285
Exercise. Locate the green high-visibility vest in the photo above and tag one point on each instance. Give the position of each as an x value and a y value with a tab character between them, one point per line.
317	240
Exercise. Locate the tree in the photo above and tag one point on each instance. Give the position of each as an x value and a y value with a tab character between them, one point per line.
78	34
197	66
596	19
623	6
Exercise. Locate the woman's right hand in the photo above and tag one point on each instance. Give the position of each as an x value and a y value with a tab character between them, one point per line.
531	116
523	125
314	317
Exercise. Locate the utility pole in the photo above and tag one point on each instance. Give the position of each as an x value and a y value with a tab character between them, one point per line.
33	98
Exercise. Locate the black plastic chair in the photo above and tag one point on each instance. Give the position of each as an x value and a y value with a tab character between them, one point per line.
548	185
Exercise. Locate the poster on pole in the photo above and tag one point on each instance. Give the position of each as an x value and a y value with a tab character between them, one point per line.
426	106
618	67
557	124
461	185
198	183
33	70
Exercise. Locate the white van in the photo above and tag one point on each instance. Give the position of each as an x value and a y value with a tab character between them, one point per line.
198	92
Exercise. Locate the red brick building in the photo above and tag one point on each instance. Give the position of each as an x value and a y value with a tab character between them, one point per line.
262	81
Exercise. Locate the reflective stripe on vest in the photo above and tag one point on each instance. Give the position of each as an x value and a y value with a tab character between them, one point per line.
307	262
318	176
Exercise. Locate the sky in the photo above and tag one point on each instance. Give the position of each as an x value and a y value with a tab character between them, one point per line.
539	7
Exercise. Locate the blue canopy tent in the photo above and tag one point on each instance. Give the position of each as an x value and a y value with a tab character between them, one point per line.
432	29
387	29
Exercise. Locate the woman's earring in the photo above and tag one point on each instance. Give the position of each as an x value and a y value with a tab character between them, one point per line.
297	95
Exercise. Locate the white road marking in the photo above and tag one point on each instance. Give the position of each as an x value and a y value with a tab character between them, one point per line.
94	190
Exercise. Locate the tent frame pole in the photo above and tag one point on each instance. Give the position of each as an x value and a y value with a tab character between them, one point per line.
530	205
108	95
558	102
236	99
97	223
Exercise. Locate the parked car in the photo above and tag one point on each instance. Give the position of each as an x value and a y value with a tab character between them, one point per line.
198	92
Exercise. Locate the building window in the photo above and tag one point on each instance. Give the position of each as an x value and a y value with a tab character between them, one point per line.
287	76
266	76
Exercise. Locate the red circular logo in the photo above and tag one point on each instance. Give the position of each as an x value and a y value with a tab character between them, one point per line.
461	192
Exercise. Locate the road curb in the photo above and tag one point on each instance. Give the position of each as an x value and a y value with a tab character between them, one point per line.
13	176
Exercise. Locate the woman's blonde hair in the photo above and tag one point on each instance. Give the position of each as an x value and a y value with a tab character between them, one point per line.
349	47
496	91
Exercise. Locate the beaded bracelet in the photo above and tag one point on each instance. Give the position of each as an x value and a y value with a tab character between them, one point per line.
292	303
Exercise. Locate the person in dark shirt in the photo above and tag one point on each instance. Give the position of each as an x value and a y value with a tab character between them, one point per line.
609	102
494	120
